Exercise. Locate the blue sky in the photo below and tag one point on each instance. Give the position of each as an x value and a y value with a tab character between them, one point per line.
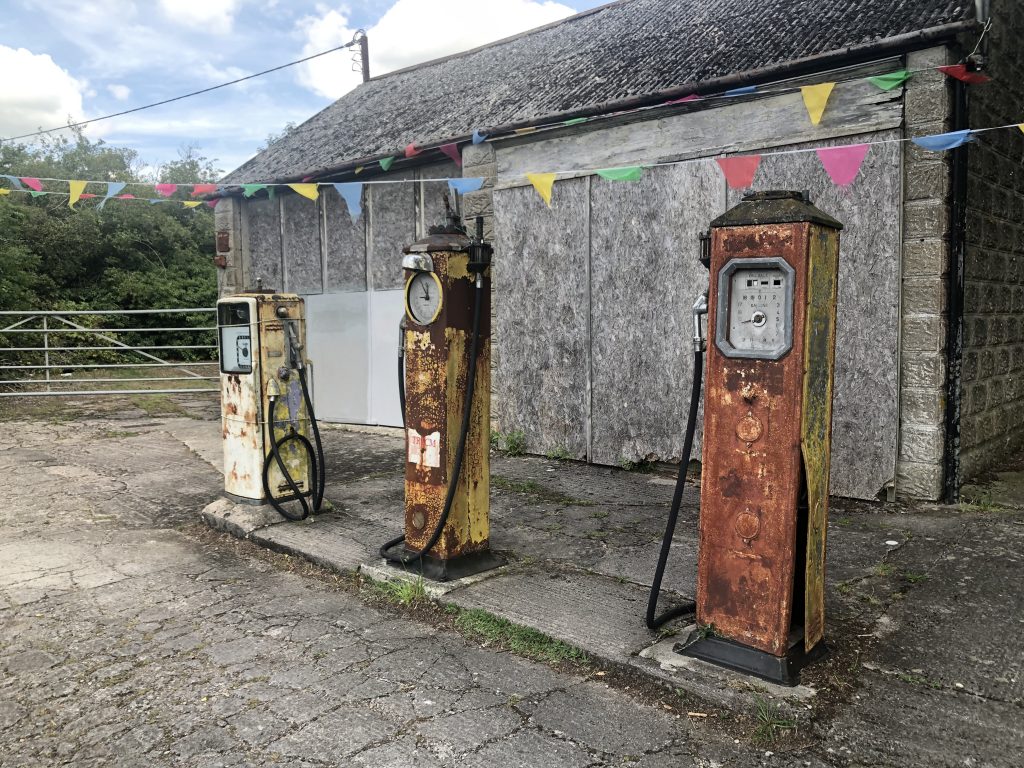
86	58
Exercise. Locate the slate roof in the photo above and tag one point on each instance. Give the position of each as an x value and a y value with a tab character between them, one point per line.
624	49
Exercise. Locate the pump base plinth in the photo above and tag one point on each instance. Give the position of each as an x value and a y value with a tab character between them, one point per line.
436	569
784	670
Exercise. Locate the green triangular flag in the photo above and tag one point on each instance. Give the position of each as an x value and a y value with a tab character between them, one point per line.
38	194
386	162
575	121
622	174
891	80
252	189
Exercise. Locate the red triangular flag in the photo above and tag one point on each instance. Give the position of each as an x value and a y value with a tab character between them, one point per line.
452	150
960	72
166	189
126	197
32	183
843	163
739	171
213	203
412	150
203	189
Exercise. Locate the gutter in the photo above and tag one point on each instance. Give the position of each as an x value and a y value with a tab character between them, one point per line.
851	55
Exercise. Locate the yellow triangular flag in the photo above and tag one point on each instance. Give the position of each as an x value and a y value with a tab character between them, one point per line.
542	182
312	191
75	189
4	191
815	99
191	203
1021	126
522	131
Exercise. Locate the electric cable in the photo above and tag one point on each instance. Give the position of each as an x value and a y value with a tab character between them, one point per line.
689	607
467	410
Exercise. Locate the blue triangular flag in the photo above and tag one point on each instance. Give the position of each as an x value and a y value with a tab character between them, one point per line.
113	187
468	184
15	181
940	142
479	138
155	200
742	91
352	193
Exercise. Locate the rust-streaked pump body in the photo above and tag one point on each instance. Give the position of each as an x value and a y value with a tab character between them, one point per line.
436	343
767	429
255	362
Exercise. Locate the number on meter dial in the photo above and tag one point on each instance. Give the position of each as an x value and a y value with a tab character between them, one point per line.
757	309
423	297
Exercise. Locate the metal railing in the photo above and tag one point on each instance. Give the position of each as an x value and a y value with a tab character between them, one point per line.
30	370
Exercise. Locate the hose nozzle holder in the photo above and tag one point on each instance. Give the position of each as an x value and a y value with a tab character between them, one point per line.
700	307
480	253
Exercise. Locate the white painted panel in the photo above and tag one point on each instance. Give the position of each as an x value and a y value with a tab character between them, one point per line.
337	336
386	311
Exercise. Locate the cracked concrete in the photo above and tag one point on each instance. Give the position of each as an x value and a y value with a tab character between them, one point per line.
126	642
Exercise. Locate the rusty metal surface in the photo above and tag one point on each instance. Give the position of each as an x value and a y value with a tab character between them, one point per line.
437	362
751	463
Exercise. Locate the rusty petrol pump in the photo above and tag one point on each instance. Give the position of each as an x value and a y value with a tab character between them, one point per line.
267	415
446	390
773	262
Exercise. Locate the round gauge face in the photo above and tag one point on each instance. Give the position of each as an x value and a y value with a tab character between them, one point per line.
423	297
757	309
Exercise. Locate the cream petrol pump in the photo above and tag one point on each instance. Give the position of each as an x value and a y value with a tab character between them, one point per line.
266	412
446	389
773	262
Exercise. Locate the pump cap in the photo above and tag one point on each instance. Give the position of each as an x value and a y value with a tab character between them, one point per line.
774	207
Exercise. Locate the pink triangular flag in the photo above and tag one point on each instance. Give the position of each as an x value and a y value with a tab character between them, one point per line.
203	189
739	171
691	97
843	163
412	150
452	150
32	183
213	203
166	189
126	196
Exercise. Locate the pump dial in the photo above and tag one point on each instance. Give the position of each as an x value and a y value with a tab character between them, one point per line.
423	297
755	308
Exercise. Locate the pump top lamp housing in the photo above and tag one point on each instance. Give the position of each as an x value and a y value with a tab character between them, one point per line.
767	434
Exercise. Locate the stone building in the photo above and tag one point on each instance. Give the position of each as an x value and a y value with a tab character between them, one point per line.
592	295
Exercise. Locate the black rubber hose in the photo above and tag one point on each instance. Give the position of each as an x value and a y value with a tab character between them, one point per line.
401	367
453	481
275	453
318	459
653	621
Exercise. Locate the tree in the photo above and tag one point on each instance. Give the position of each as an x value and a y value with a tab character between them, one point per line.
189	167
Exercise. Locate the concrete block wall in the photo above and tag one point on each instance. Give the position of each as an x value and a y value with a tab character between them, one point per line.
230	246
992	416
926	220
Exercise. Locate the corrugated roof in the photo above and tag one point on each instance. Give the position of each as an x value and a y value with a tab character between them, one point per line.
628	48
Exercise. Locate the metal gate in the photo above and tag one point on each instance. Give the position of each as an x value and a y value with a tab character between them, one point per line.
54	353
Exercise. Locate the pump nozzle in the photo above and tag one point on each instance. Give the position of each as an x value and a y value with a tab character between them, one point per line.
700	307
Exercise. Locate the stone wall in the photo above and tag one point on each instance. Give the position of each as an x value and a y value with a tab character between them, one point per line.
992	416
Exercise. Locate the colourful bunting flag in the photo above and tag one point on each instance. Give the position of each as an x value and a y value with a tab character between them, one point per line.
4	191
685	99
248	190
940	142
741	91
543	183
191	203
113	188
37	193
478	137
358	170
576	121
203	189
739	171
522	131
412	150
1021	126
960	72
621	174
843	163
32	183
155	200
891	80
15	181
452	150
165	189
465	185
311	191
352	193
213	203
75	189
386	163
126	197
815	99
87	195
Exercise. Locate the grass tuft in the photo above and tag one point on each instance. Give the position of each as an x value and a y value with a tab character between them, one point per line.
401	592
770	724
521	640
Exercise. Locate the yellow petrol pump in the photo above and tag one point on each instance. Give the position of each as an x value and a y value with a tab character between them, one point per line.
446	390
773	264
266	412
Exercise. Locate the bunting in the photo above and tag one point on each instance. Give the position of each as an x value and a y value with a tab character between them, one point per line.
4	191
386	163
251	189
203	189
815	99
412	150
843	163
685	99
15	182
465	185
543	183
352	193
75	190
891	80
576	121
191	203
741	91
739	171
113	187
961	72
452	151
312	191
166	189
478	137
622	174
941	142
32	183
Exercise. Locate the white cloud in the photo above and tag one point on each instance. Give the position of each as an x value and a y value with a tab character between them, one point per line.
39	95
211	16
413	31
119	92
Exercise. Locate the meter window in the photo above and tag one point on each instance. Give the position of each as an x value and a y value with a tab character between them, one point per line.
423	298
235	338
757	303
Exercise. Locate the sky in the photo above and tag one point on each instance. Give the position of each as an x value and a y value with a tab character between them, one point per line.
81	59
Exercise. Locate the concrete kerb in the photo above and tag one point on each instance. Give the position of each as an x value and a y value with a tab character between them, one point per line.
242	520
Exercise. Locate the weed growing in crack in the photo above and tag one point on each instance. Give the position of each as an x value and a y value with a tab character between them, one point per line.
402	592
521	640
770	724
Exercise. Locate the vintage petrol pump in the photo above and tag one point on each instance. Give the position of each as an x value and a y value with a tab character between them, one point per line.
446	386
266	412
767	436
